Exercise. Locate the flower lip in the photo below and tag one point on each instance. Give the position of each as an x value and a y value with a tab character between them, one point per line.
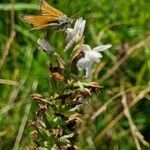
82	63
85	63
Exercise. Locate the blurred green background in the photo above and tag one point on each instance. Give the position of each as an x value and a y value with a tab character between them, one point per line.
23	67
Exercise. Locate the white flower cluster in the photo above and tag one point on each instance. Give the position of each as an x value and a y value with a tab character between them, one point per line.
74	35
90	55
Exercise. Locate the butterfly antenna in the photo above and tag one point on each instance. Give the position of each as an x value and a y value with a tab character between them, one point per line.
83	10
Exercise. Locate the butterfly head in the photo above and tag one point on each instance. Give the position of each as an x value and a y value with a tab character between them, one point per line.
65	22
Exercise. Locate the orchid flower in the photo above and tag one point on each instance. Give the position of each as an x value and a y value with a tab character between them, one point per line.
90	56
75	35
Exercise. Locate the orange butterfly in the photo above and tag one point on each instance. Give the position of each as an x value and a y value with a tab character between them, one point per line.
50	17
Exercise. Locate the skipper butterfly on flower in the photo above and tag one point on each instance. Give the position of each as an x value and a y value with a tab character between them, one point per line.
49	17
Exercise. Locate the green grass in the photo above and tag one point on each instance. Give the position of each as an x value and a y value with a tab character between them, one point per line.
117	22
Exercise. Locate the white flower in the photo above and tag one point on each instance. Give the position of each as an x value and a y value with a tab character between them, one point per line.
91	56
45	45
75	35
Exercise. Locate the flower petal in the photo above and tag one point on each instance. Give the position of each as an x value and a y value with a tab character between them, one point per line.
69	34
88	69
94	56
80	27
102	47
45	45
83	63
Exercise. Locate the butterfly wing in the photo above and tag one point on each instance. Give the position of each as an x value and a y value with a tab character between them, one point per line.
46	9
49	17
39	21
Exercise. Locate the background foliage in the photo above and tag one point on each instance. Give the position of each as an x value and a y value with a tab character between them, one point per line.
126	67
